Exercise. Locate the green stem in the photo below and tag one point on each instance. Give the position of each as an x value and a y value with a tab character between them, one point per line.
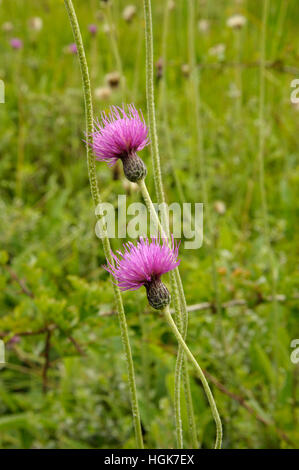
200	151
161	199
150	97
181	362
97	200
163	100
182	322
262	189
115	51
181	357
262	120
204	382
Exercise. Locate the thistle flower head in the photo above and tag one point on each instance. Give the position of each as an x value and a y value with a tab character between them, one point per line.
73	48
143	265
16	43
119	135
92	28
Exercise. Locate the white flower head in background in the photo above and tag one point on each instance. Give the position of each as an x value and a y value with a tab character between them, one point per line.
35	23
171	5
7	27
203	26
108	29
129	13
185	69
233	91
236	22
102	93
218	51
220	207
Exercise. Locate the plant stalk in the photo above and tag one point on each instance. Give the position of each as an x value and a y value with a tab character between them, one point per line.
204	382
97	200
181	311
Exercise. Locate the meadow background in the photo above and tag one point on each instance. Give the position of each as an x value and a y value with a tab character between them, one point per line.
64	384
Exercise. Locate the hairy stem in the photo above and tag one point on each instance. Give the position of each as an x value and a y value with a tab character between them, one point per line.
204	382
262	189
161	199
97	200
181	362
182	322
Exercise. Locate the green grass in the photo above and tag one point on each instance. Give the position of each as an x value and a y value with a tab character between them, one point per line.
47	238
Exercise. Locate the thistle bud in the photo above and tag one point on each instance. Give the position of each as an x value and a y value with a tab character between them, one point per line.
134	167
158	295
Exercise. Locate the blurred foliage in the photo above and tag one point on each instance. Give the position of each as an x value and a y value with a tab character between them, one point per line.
64	384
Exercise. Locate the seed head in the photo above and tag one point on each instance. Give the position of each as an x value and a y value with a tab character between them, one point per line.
185	68
203	26
236	21
113	79
129	13
102	93
35	23
7	27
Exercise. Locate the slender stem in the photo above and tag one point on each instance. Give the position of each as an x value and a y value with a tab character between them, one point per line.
181	362
262	189
186	381
160	193
262	120
150	207
97	200
182	321
151	101
163	101
196	100
178	367
115	51
204	382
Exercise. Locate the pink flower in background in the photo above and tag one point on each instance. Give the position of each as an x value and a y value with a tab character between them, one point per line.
73	48
119	134
14	340
92	28
16	43
143	265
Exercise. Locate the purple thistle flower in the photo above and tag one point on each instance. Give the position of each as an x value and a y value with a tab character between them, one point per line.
143	265
120	135
16	43
73	48
14	340
92	28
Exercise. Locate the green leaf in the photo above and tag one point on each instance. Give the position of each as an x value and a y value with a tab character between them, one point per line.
14	421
